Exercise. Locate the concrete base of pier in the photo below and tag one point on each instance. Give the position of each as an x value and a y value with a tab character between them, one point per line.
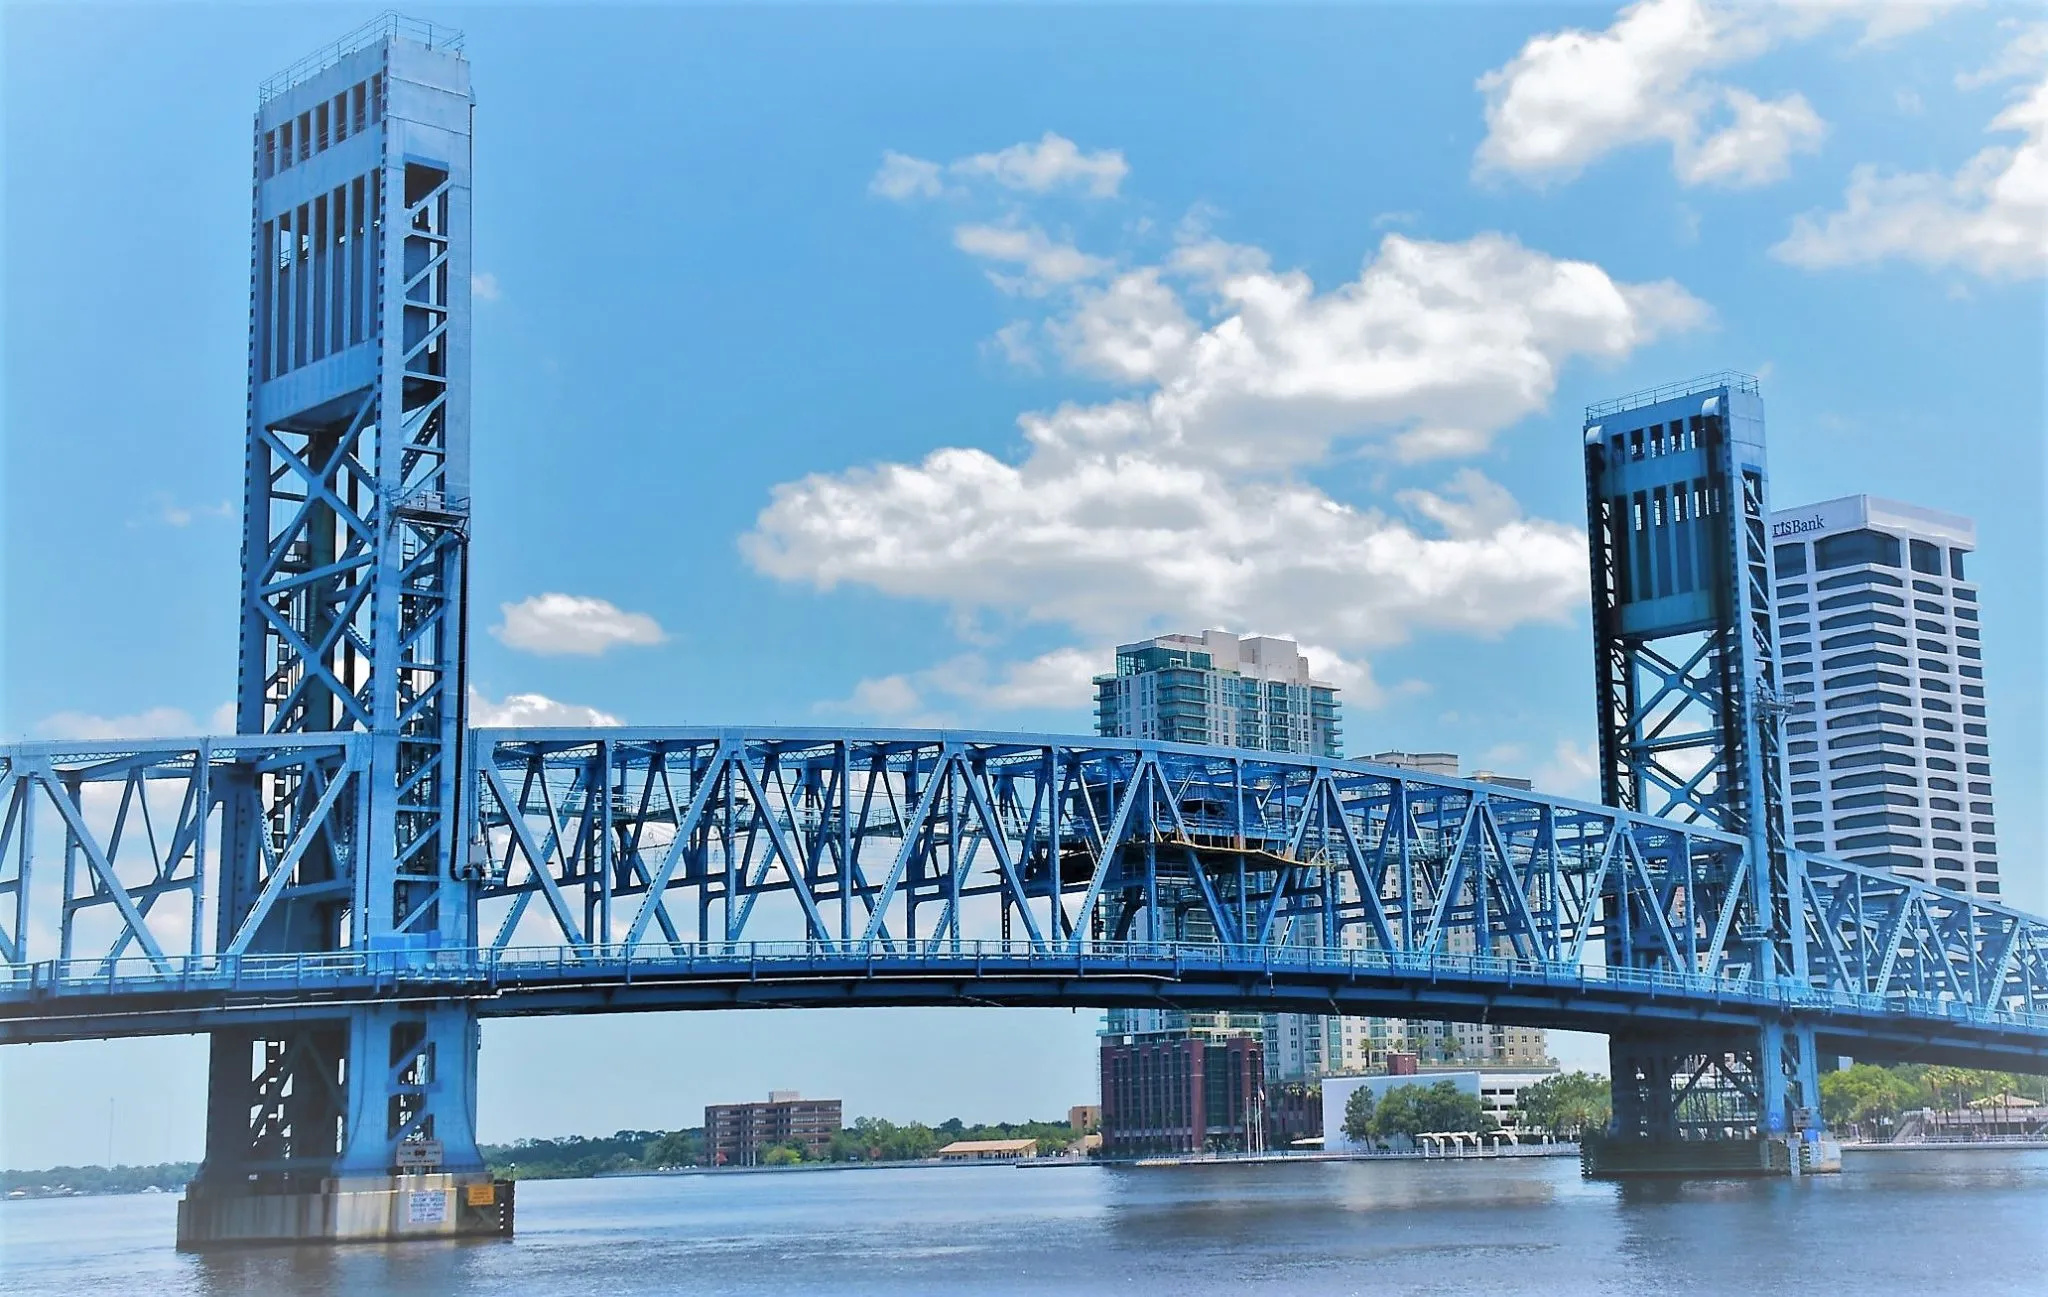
1764	1155
374	1209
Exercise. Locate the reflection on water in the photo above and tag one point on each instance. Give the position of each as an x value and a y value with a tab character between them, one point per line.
1918	1223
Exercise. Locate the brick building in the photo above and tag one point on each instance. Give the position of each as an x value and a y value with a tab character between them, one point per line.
740	1134
1181	1094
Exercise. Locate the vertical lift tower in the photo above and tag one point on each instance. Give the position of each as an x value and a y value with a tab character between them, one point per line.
1686	658
358	1121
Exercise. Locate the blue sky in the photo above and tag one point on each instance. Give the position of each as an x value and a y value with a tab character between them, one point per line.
850	366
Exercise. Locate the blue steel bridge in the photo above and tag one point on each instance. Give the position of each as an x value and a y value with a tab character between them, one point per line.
661	869
339	894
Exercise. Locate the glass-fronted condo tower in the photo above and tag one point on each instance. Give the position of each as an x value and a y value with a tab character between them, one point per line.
1218	688
1230	691
1888	747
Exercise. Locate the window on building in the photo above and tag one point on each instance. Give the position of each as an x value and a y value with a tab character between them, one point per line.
1926	557
1856	547
1857	580
1860	598
1789	560
1955	569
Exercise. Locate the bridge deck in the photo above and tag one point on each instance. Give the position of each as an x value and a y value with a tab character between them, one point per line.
135	997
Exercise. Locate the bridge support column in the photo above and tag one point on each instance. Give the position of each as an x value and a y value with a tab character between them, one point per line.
1690	1106
351	1130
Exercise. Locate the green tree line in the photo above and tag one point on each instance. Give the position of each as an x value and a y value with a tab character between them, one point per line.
1870	1095
574	1157
868	1139
1565	1105
1412	1109
167	1176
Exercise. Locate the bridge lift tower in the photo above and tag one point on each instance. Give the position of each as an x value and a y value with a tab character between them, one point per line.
1686	666
354	571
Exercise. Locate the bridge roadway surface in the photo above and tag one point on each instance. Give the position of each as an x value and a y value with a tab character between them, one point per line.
131	997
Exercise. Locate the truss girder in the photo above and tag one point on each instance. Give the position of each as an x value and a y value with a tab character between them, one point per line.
616	846
94	839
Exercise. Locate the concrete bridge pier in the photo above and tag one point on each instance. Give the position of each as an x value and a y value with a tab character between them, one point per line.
354	1129
1746	1105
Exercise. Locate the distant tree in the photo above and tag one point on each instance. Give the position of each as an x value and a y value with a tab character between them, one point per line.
848	1146
1445	1107
1358	1115
1397	1113
676	1148
786	1154
1864	1094
1568	1104
911	1143
1412	1109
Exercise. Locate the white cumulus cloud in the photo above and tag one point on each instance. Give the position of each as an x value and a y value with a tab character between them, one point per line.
1041	263
1990	217
1106	544
1569	98
1053	162
533	711
580	625
1434	347
149	723
969	689
1757	147
1184	499
903	177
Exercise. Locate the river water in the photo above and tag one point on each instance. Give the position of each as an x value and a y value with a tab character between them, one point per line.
1909	1223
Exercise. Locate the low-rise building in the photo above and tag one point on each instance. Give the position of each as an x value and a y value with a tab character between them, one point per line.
988	1150
740	1134
1498	1090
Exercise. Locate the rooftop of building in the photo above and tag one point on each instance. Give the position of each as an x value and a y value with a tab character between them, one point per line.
389	25
1731	379
774	1097
1848	512
968	1147
1257	657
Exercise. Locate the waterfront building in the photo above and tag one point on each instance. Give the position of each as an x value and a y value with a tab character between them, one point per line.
1243	692
1177	687
1887	739
1499	1090
1182	1093
988	1150
740	1134
1251	691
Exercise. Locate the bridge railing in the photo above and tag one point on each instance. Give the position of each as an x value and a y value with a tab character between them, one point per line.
480	972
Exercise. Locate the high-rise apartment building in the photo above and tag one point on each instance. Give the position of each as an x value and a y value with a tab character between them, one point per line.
1259	692
1218	688
1230	691
1887	745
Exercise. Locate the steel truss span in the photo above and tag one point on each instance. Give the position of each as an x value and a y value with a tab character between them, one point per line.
635	869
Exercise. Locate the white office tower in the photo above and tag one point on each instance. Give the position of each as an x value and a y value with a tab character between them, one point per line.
1888	751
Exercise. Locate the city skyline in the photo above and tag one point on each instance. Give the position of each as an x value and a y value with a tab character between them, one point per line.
617	651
